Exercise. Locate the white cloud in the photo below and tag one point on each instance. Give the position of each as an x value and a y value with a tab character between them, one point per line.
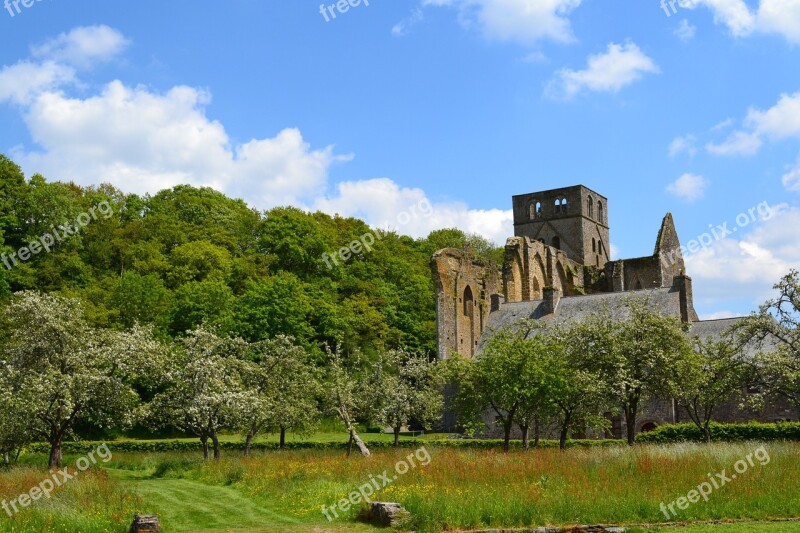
720	315
382	203
683	144
83	46
685	31
402	28
791	180
732	13
733	270
619	66
728	122
22	82
781	121
689	187
781	17
522	21
738	143
144	141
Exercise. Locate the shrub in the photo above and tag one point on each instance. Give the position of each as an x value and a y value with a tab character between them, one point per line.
154	446
669	433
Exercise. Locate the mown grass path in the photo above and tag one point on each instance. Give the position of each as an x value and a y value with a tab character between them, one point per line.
187	506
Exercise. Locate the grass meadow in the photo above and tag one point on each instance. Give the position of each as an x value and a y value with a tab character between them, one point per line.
457	489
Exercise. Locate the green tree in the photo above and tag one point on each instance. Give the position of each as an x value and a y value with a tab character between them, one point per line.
409	388
636	356
69	372
712	374
494	381
140	299
347	396
199	261
278	305
774	330
205	393
201	302
286	386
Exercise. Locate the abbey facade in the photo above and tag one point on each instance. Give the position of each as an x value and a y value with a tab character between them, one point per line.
558	268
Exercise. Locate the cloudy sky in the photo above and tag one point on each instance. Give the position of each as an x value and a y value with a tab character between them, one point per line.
690	107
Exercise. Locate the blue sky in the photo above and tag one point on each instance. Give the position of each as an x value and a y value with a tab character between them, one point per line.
459	102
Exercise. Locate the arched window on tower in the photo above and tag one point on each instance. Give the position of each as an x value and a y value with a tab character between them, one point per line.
600	211
557	209
594	245
590	207
557	242
538	209
532	210
564	206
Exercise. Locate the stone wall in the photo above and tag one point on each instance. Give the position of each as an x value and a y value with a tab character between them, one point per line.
466	290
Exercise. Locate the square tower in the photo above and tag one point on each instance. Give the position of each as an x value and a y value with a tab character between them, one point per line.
572	219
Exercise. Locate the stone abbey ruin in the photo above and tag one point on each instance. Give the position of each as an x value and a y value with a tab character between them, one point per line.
557	268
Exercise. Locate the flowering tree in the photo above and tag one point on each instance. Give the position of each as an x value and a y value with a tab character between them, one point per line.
776	328
206	393
636	357
67	372
714	373
285	388
409	388
348	394
16	419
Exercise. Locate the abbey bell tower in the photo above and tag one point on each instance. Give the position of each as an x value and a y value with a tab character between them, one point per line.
571	219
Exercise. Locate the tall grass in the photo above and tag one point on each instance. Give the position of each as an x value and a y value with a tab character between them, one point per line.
477	488
460	488
90	503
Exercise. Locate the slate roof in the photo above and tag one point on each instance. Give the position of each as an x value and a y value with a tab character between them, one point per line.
577	308
572	309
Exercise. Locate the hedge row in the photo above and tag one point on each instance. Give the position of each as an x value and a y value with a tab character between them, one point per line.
722	432
84	447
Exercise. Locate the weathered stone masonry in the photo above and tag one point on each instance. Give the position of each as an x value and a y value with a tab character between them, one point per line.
557	268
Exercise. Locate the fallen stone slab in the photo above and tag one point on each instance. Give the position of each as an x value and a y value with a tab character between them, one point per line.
386	514
145	524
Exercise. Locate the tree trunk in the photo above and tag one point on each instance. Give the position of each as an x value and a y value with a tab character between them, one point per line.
526	434
630	422
536	432
204	440
248	443
562	441
217	452
397	436
507	427
361	446
282	444
706	433
55	450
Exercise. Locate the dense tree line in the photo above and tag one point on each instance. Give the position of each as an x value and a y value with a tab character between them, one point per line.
188	256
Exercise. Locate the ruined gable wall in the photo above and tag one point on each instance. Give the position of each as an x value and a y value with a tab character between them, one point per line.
466	290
